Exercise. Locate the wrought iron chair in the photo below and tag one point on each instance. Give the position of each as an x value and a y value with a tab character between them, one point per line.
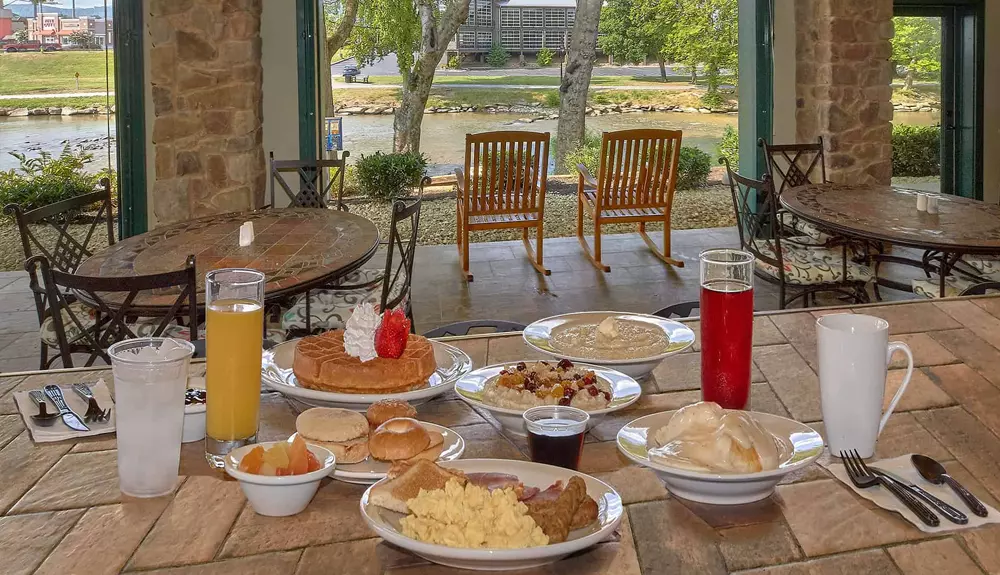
313	193
94	329
66	248
464	327
326	309
802	268
982	288
679	310
792	165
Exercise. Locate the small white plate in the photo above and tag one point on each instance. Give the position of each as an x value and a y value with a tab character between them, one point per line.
277	374
624	392
386	523
538	336
371	470
722	488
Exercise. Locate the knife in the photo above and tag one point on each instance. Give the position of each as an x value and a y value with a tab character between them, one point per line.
950	513
71	419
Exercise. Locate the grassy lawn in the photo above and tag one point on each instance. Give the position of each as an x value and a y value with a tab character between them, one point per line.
85	102
53	72
530	80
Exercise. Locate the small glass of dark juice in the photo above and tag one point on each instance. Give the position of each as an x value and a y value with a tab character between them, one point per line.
555	434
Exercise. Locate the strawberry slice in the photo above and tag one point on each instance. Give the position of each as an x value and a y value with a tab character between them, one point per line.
391	335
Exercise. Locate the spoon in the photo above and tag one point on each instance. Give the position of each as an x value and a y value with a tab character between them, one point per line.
934	472
44	418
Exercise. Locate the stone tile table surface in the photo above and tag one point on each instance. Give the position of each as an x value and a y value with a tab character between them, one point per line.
61	511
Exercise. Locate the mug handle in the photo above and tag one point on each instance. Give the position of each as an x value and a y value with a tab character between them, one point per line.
893	347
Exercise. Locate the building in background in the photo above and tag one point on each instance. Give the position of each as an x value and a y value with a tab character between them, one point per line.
53	28
9	24
518	26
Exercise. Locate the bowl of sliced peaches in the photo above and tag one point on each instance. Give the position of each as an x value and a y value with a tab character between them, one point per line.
280	478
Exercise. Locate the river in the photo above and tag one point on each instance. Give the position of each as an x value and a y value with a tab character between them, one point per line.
442	138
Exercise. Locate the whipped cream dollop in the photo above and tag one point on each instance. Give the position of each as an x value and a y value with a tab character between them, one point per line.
359	333
705	437
608	328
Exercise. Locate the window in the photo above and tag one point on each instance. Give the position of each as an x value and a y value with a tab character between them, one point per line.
555	18
510	39
467	40
510	18
484	13
554	39
531	18
531	40
570	17
471	18
484	39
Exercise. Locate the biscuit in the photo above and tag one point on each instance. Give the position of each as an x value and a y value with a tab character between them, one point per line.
331	424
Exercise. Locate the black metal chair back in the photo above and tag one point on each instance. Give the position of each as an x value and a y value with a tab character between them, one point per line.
464	327
794	164
679	310
399	275
755	206
110	324
312	192
981	288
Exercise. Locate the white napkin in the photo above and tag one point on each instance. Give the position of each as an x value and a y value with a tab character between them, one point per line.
902	467
58	431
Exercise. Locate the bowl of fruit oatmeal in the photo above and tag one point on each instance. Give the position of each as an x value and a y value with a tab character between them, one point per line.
508	390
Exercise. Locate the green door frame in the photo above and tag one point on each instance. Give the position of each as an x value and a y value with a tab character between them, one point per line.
756	85
307	13
962	69
130	118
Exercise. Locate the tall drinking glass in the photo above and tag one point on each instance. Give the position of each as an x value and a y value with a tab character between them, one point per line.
150	380
234	328
726	326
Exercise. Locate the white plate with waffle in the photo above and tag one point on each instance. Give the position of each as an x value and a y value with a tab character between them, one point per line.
277	374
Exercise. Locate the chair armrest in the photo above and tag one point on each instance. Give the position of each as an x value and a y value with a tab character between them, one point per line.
460	181
585	174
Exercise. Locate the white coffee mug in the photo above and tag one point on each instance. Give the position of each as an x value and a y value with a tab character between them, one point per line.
854	356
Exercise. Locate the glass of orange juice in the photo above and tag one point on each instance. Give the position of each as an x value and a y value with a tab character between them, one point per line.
234	334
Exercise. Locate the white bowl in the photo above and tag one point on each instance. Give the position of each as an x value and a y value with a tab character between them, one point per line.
385	523
194	423
279	496
680	337
722	488
624	392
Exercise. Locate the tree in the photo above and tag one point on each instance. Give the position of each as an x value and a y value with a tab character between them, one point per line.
36	3
417	32
916	47
21	35
83	39
704	32
576	80
632	30
338	22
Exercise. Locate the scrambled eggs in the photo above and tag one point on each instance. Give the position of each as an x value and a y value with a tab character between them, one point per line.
471	517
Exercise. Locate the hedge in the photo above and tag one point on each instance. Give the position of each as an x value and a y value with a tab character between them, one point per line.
916	150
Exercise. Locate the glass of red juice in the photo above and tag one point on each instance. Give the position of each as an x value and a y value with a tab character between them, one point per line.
555	434
726	326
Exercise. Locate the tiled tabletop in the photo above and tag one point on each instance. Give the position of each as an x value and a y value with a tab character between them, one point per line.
62	511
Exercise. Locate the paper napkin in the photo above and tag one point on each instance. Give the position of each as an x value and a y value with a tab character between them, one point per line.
58	431
902	467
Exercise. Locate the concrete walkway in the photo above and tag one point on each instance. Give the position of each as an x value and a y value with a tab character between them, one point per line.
662	87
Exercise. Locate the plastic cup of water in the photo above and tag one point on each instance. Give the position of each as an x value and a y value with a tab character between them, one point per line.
150	380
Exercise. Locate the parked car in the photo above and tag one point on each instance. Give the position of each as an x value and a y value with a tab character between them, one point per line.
30	47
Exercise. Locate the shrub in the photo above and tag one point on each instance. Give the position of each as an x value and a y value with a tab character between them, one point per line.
693	168
587	153
552	99
544	57
454	62
497	56
729	147
714	100
386	177
45	180
916	150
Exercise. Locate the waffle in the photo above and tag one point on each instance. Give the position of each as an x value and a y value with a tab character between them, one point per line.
322	364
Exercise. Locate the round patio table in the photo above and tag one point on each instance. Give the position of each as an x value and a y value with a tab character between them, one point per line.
889	214
297	249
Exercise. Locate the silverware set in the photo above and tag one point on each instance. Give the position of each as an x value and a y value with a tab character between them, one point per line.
913	496
54	394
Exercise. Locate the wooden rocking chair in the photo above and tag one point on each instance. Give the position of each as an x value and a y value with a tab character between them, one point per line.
503	186
635	183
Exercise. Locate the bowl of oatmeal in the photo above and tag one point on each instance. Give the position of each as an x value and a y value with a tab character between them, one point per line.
629	342
508	390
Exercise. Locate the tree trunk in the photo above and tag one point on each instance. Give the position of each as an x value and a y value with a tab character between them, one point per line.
576	81
663	67
417	83
694	74
909	78
335	40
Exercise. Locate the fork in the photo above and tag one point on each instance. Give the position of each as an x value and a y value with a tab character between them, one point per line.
94	411
863	478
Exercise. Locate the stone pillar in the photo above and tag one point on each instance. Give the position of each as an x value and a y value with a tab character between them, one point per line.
207	101
843	85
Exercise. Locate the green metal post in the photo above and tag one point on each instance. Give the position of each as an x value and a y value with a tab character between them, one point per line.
130	118
756	84
306	13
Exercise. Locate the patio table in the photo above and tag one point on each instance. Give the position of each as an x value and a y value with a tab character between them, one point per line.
61	510
889	214
297	249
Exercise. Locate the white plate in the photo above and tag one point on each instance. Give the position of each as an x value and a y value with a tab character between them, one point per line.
371	470
722	488
624	392
680	337
276	373
609	503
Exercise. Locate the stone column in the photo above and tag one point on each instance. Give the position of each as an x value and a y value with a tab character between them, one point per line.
843	85
207	101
